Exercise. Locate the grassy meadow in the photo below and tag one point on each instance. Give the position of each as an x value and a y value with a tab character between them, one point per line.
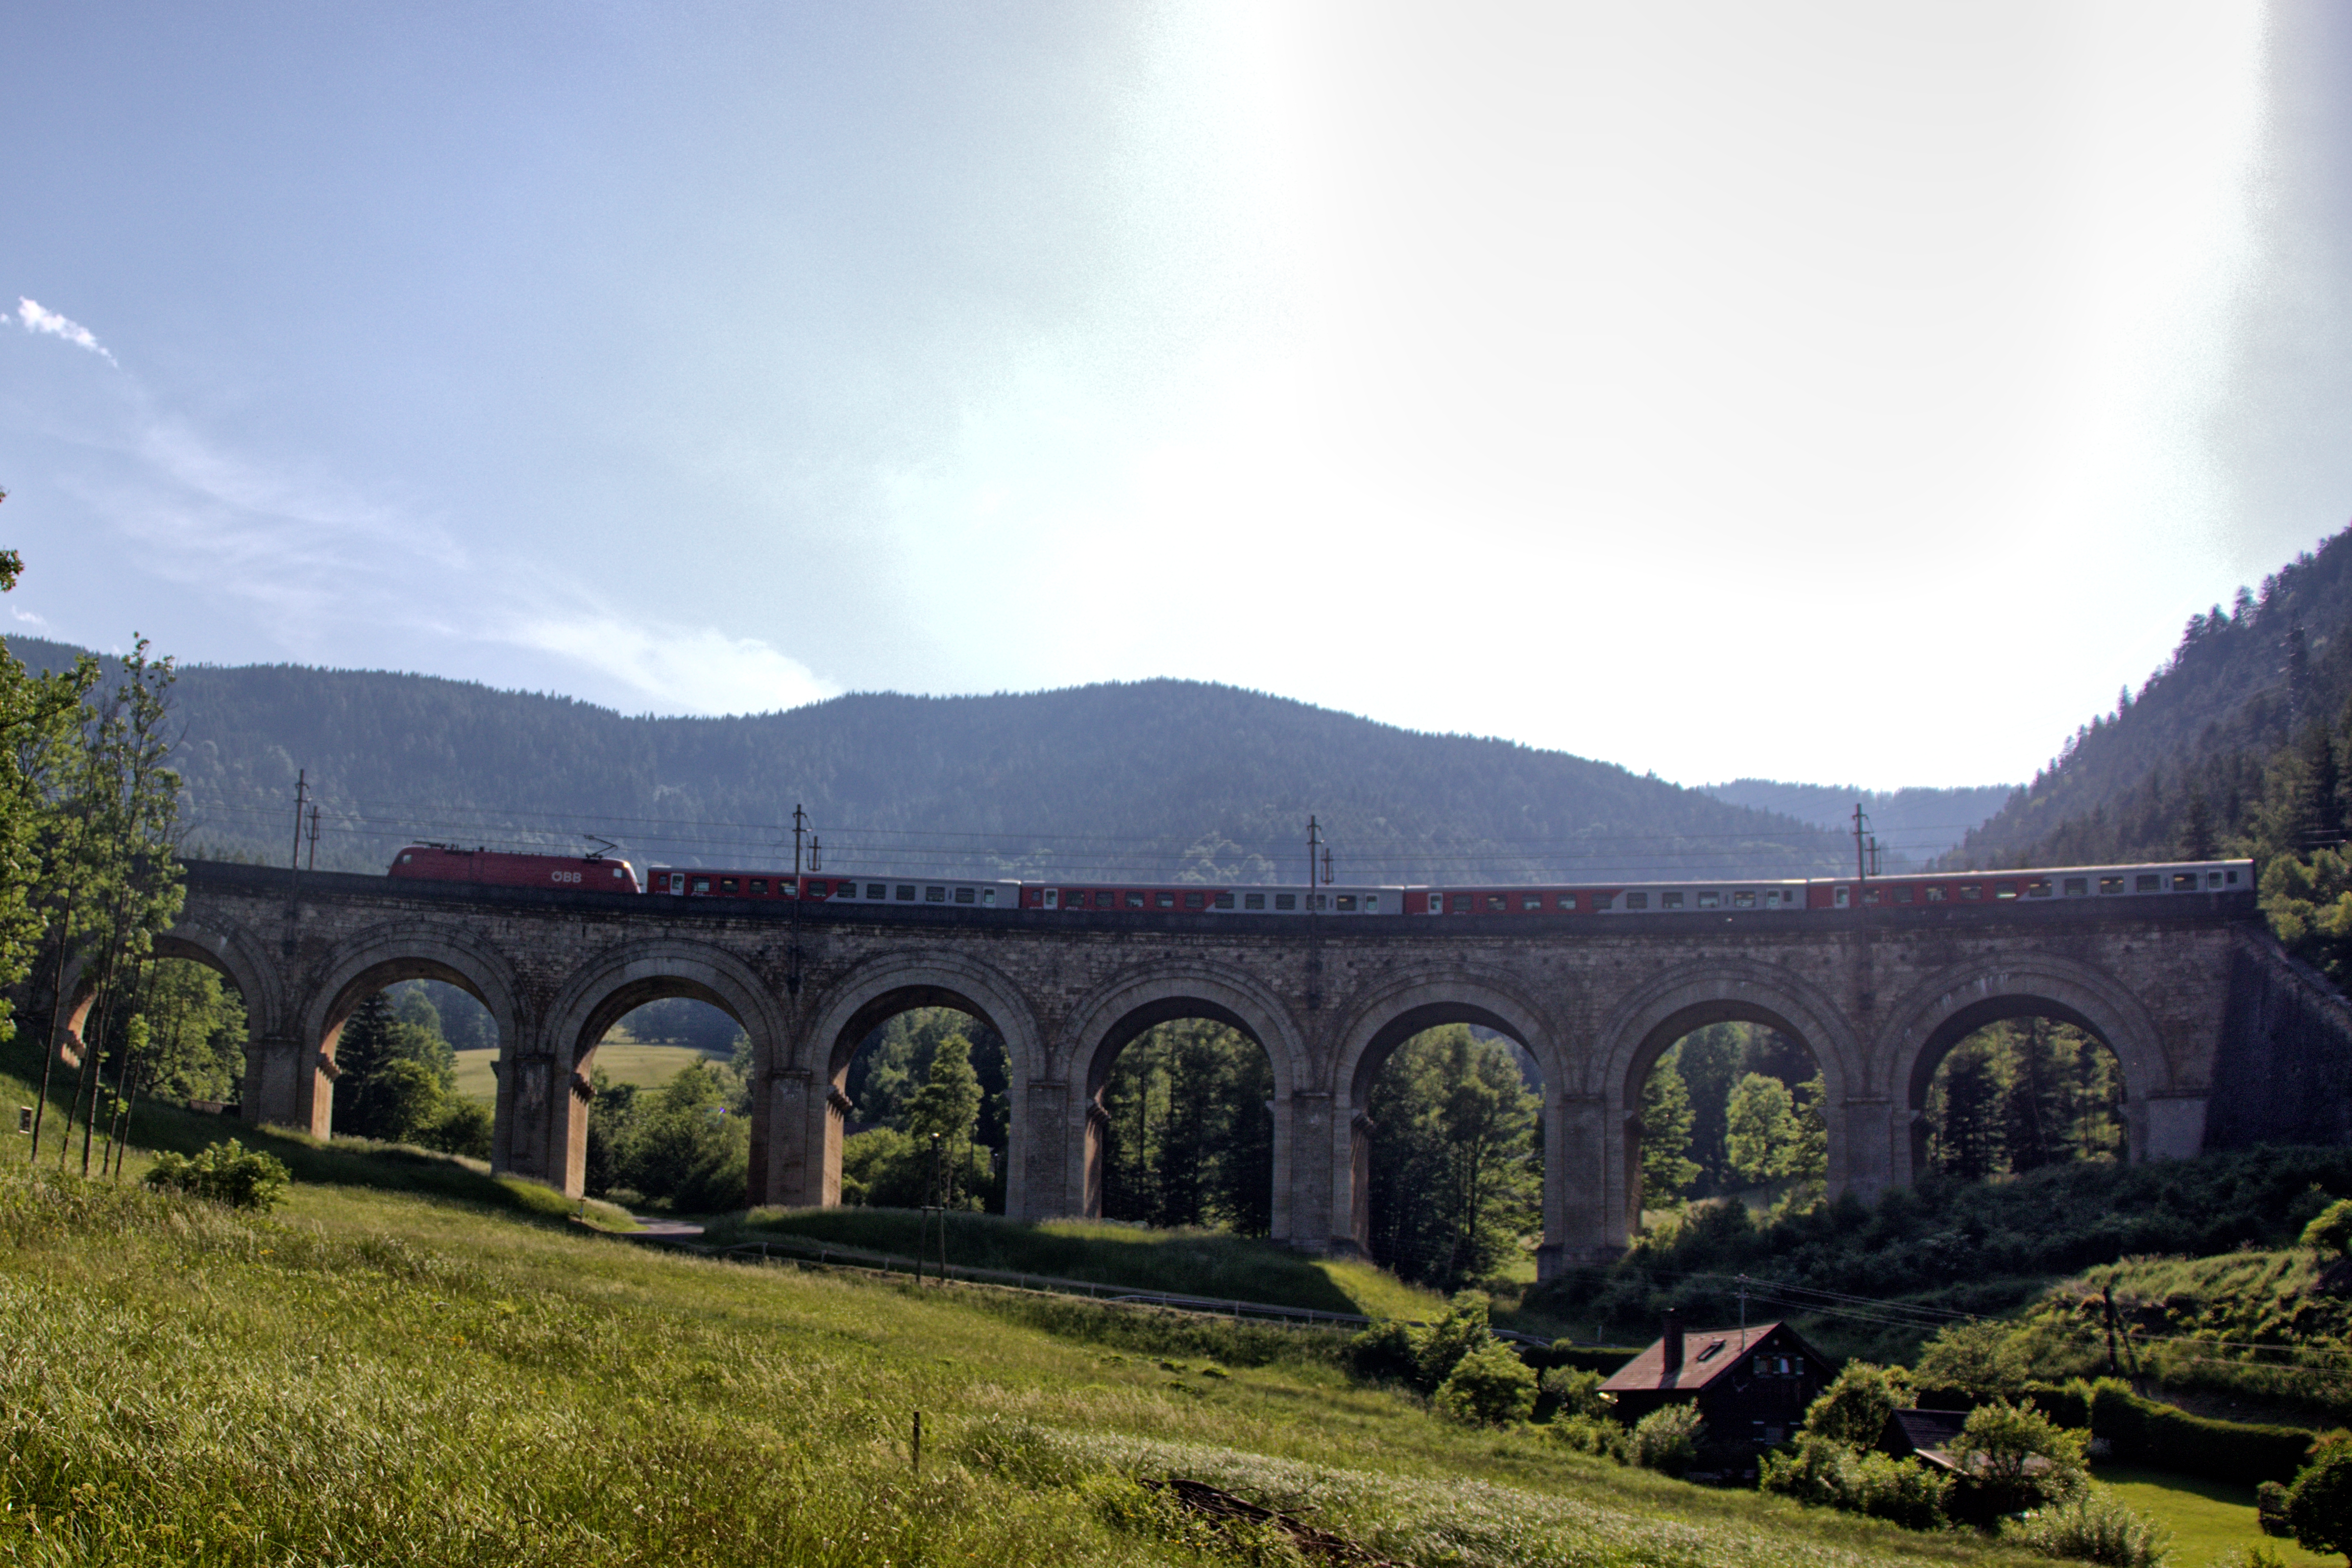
2211	1521
623	1061
398	1377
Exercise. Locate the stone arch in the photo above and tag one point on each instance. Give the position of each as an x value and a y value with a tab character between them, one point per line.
1690	996
797	1124
1947	1008
355	969
1107	1020
542	1123
1385	1018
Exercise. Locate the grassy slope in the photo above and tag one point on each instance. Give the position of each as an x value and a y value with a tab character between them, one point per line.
391	1378
2195	1322
1179	1262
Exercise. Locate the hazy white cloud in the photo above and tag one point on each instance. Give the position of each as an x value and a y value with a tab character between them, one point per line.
37	320
678	669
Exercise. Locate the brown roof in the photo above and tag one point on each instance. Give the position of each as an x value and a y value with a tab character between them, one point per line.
1708	1354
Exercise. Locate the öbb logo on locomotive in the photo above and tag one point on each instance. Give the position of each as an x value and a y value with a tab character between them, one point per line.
600	874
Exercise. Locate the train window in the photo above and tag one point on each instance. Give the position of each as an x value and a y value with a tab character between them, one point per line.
702	884
988	897
966	895
1164	900
1844	897
1106	900
1252	900
1709	901
1637	900
1285	901
2184	881
2038	888
2077	886
1221	901
1496	903
2145	883
2233	878
726	884
1134	901
1194	900
1372	904
1670	901
405	859
1935	895
907	891
1743	900
935	894
1972	892
2111	884
1530	901
1348	903
1903	895
1603	902
1317	901
2005	890
1568	900
758	884
1461	905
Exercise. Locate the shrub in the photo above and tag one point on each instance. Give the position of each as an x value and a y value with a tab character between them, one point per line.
1465	1327
1574	1390
2332	1231
1589	1435
2018	1458
1854	1409
1387	1351
226	1172
1491	1386
2094	1528
2270	1510
2148	1433
463	1127
2319	1503
1666	1439
1823	1473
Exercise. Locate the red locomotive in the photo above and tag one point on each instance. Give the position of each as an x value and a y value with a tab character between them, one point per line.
565	873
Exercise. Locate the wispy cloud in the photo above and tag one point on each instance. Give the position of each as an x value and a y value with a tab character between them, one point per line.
37	320
695	671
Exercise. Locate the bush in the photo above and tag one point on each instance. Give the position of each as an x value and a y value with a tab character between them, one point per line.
2094	1528
2319	1503
1387	1351
462	1128
2332	1231
1591	1435
1491	1386
1666	1439
1823	1473
2148	1433
1574	1390
2270	1510
2016	1458
1465	1327
1854	1409
226	1174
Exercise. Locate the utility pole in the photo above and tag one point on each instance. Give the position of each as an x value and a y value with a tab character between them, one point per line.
314	840
302	805
816	853
800	825
1314	848
800	889
1865	846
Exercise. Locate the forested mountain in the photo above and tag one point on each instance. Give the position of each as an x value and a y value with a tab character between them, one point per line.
1912	825
1158	779
2235	744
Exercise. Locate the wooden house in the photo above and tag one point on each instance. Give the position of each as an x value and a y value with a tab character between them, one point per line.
1752	1385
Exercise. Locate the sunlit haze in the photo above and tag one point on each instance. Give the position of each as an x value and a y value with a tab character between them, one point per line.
1840	393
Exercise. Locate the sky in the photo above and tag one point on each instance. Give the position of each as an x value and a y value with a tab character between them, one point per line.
1837	393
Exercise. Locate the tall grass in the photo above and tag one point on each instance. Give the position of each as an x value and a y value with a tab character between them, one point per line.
395	1379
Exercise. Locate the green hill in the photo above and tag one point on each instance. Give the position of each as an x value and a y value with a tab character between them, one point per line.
1163	779
2214	749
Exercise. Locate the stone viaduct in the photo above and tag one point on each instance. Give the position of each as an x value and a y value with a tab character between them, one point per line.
1877	995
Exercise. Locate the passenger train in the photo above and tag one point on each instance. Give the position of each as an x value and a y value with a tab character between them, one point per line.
595	873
